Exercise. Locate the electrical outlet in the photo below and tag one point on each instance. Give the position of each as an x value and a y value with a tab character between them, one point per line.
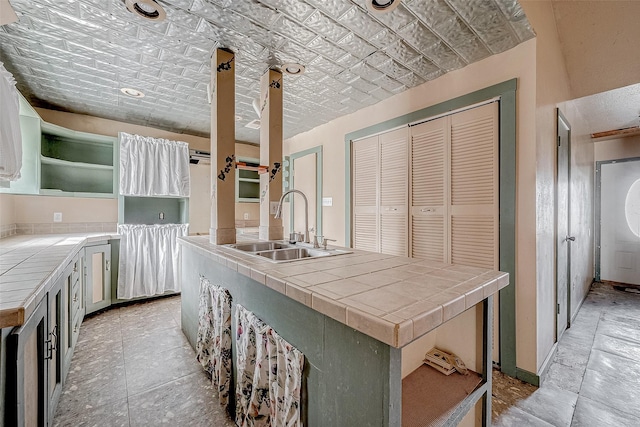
161	215
57	217
327	201
246	215
273	207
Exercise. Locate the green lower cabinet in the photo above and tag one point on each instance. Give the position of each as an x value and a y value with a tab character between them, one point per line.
97	277
35	360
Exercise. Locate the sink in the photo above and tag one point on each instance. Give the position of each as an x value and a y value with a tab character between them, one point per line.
291	254
260	246
283	252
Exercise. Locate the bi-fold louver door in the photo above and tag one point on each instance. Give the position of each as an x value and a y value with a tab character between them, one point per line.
380	191
454	188
440	200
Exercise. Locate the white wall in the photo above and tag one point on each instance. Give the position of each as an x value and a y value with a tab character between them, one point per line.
619	148
519	63
553	91
7	216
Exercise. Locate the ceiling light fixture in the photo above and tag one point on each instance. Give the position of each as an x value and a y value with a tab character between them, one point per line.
134	93
148	9
382	6
293	68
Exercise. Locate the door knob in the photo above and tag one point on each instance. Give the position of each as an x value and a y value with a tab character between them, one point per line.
572	238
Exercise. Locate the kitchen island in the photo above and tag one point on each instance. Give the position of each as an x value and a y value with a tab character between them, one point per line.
364	322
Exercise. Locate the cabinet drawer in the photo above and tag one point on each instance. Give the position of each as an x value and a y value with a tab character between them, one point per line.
75	299
75	272
75	328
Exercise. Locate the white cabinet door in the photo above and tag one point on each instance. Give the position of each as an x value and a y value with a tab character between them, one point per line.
366	162
474	187
97	277
429	190
393	192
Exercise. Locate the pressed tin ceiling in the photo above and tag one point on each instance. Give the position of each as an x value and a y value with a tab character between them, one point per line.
76	55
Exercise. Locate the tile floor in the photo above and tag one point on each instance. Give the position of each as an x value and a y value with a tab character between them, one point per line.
133	367
594	379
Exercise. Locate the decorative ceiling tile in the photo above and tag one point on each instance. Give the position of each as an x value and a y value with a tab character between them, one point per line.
77	55
334	8
294	8
294	31
360	23
325	26
356	46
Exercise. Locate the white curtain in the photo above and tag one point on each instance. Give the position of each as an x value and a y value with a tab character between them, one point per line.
149	259
269	375
213	345
10	135
153	166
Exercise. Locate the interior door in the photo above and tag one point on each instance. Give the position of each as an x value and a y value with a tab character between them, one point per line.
563	238
303	170
620	222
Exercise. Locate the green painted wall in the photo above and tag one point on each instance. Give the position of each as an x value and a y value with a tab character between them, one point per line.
350	379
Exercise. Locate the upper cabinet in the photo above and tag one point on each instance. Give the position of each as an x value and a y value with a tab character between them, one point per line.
76	162
60	161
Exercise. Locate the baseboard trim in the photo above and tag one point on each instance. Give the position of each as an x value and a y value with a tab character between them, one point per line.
528	377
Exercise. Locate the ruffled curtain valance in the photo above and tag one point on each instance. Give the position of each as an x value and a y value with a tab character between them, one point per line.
10	135
153	166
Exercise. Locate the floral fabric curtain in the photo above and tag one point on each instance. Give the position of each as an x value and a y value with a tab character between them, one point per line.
213	346
269	376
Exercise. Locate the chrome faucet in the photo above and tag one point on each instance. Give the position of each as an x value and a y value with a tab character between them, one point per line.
306	211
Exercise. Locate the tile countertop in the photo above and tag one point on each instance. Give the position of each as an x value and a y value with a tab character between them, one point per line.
392	299
30	265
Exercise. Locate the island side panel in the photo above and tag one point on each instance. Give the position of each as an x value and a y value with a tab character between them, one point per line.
349	377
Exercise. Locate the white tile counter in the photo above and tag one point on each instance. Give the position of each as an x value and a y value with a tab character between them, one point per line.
392	299
30	265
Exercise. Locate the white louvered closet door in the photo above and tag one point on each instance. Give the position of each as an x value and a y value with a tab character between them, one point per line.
393	192
429	190
474	204
366	162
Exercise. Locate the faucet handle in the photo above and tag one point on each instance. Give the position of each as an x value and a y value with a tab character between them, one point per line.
324	242
315	241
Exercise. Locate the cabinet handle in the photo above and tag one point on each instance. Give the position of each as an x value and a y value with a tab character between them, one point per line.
75	268
427	210
107	265
51	343
75	329
54	341
75	298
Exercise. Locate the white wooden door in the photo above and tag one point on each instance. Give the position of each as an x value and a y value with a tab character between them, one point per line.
563	240
620	222
393	192
366	162
429	190
474	187
303	170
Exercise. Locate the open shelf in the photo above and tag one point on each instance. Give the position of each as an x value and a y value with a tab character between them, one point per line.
75	177
248	182
430	398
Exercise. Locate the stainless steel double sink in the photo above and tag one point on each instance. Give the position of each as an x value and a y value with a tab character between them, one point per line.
276	251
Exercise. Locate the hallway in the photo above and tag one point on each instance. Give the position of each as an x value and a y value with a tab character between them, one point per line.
594	378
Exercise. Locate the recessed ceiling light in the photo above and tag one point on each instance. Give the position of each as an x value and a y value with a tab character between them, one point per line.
380	6
134	93
147	9
293	68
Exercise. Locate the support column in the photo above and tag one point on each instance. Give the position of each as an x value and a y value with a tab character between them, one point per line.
270	152
223	145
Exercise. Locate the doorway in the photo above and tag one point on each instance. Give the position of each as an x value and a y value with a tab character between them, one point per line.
305	174
563	226
618	239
